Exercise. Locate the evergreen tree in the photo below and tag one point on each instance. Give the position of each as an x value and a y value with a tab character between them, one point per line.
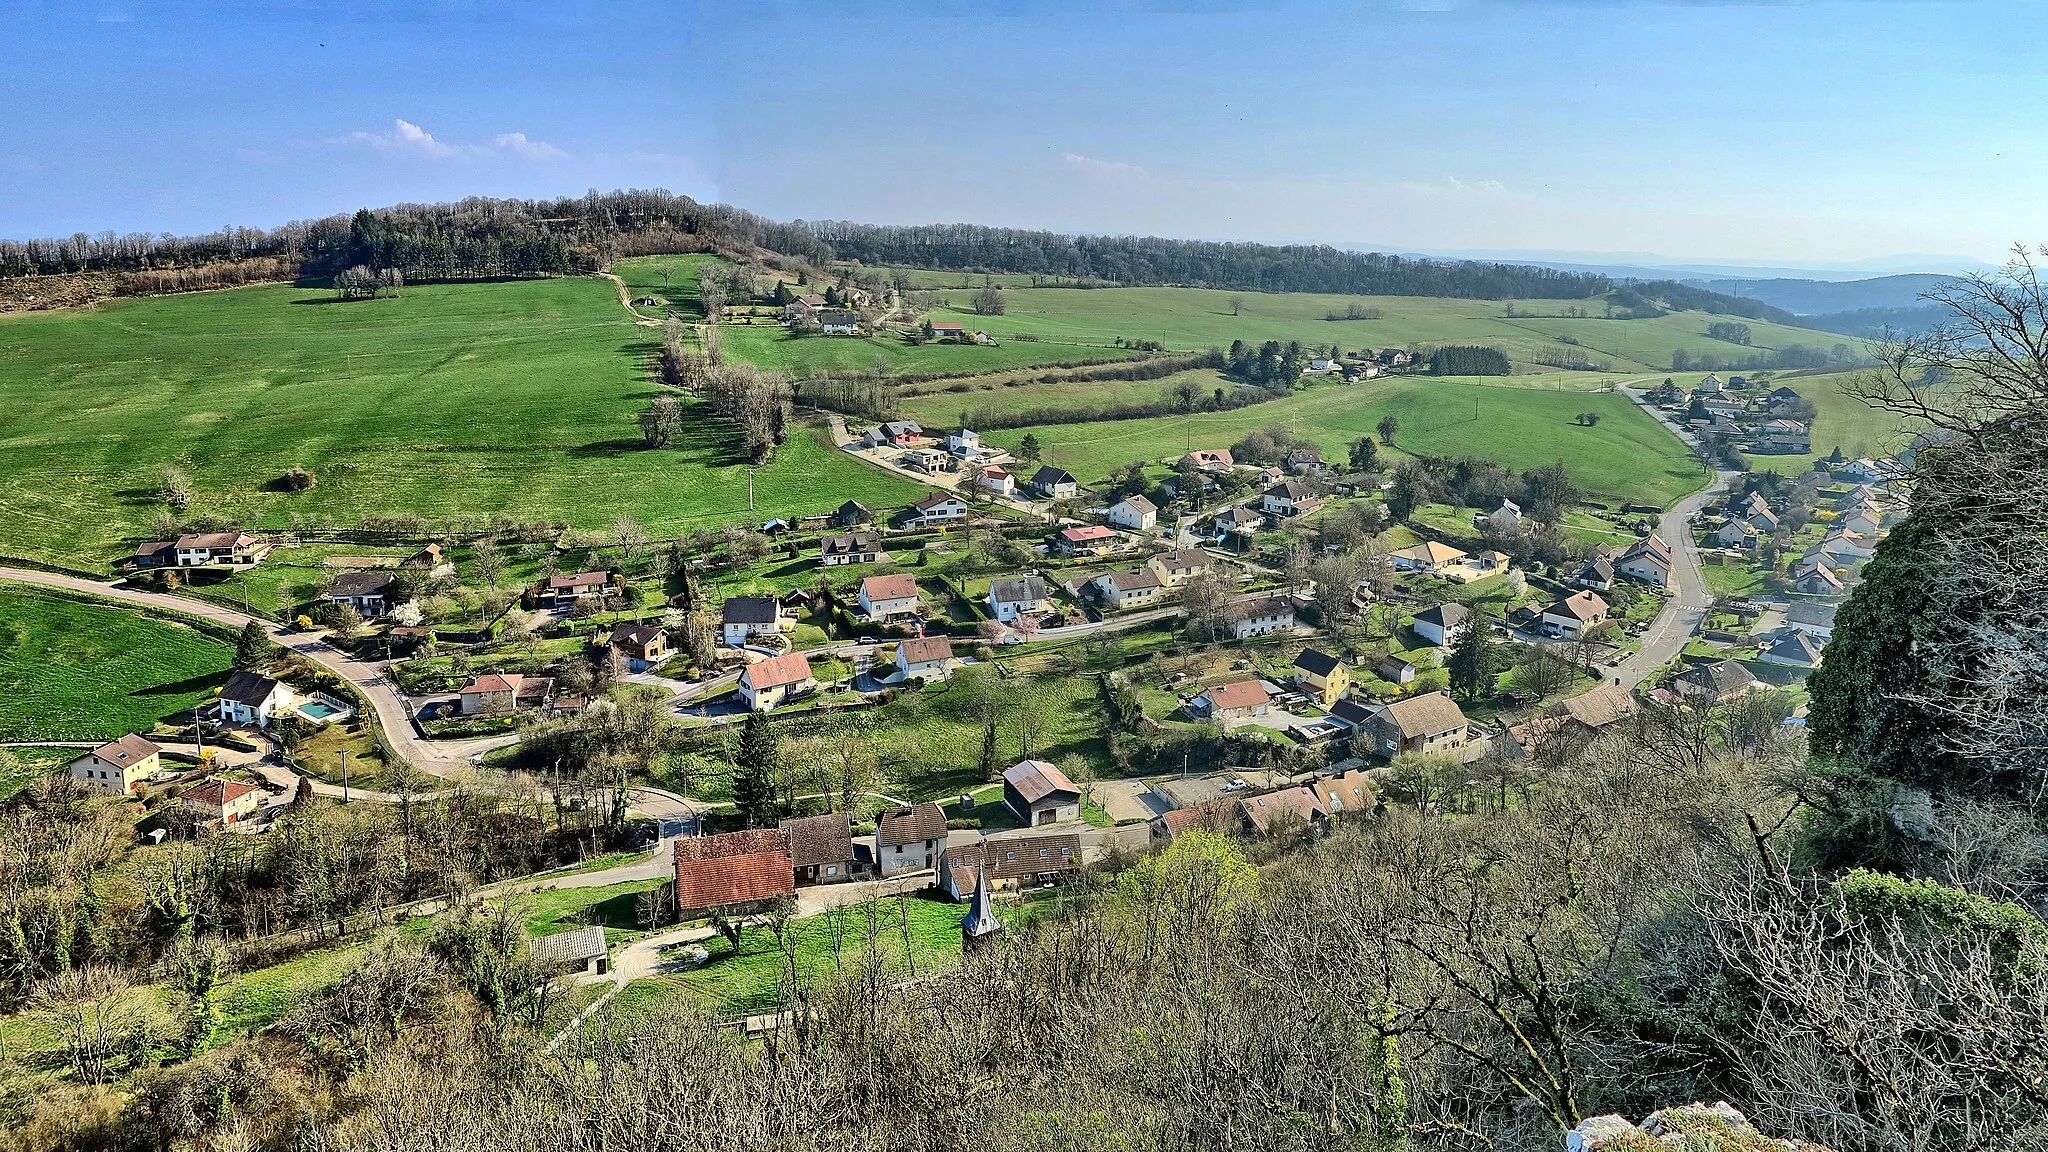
1475	660
254	650
753	782
1365	455
989	755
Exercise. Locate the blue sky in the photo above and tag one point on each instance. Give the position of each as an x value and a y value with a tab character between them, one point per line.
1787	133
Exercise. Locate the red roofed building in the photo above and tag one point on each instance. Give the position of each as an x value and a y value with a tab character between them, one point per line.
768	684
1086	540
224	801
733	868
1231	703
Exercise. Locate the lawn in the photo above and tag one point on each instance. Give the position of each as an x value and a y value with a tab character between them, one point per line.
612	907
1626	456
515	396
251	1001
76	669
20	767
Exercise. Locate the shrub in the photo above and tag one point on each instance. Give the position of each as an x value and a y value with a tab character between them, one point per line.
296	480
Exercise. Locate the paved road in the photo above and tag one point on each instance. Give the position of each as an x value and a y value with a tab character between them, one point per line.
439	758
1686	608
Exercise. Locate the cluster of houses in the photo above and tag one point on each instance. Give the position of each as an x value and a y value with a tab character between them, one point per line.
1308	806
218	550
1764	424
125	767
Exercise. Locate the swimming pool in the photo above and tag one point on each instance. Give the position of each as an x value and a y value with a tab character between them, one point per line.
318	710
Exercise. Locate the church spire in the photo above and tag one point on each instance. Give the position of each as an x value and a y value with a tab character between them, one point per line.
980	925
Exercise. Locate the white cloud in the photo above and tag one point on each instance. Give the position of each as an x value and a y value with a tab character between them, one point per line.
408	138
1114	169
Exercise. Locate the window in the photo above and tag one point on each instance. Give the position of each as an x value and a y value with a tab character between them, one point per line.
832	870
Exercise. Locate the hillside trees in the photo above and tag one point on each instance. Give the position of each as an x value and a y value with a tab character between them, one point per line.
1468	360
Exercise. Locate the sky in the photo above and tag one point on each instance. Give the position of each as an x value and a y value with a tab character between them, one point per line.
1860	133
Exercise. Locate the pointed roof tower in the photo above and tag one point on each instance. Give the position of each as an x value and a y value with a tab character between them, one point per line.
979	927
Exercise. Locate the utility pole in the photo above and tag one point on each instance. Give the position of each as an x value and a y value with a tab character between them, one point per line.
750	488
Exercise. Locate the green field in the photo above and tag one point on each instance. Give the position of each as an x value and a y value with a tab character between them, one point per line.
515	396
20	767
1626	456
77	670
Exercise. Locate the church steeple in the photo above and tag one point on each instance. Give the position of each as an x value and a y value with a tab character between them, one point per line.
979	927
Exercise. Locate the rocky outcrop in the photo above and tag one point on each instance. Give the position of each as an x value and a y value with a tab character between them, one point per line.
1716	1127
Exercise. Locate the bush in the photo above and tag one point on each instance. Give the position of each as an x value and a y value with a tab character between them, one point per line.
296	480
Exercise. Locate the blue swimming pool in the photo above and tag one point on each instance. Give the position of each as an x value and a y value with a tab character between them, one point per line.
318	710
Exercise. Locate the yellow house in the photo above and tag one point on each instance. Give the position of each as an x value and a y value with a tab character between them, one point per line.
1322	676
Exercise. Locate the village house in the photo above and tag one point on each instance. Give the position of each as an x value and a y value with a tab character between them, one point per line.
1303	462
1039	793
1763	520
1815	619
1134	588
1435	625
1395	670
1009	862
894	433
1863	521
909	839
1211	459
851	514
839	322
1845	544
1489	561
736	871
1289	498
1798	649
1180	565
1714	683
997	480
366	592
1580	718
1237	521
503	693
1575	615
1248	618
1218	815
1016	596
1507	517
1430	723
964	442
567	588
1346	794
1055	483
223	802
925	658
1813	577
118	767
1133	513
1647	560
804	307
579	950
252	698
775	681
643	645
1783	436
1285	810
1597	574
820	848
1232	703
935	510
206	549
890	597
1429	556
851	548
947	329
1395	358
742	618
1322	676
1087	540
1733	534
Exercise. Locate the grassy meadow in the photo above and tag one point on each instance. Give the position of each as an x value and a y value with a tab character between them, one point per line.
72	669
515	396
1626	456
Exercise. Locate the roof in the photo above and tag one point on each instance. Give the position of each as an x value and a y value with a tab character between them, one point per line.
1134	579
1602	706
1815	570
1212	456
1087	532
814	840
925	649
1600	569
1305	455
575	947
853	511
1507	505
838	316
733	868
153	548
1809	612
1297	804
751	610
948	326
1268	606
1797	646
1036	780
1048	476
1428	715
776	671
250	688
493	682
1721	676
212	540
219	793
1182	558
1236	694
1446	616
1014	857
894	586
1139	503
360	583
1017	590
1291	490
935	499
898	427
130	749
578	580
925	821
1353	712
1317	663
849	543
1585	607
1429	551
1349	792
813	299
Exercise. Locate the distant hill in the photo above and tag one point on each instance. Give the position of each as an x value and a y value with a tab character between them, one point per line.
1821	297
1877	323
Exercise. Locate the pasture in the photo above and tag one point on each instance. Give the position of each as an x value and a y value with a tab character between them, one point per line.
515	397
1626	456
75	669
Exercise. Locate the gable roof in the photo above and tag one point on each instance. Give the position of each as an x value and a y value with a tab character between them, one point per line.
926	821
133	748
925	649
1249	609
1353	712
1447	615
1721	676
1134	579
360	583
1192	558
1017	590
1279	807
1138	503
1800	646
1582	606
1317	663
213	541
1086	533
493	682
733	868
1601	706
1428	552
1036	780
776	671
823	839
1211	457
575	947
1348	792
1047	476
219	793
935	500
558	581
1014	857
251	688
635	635
1291	491
1237	694
850	543
1598	570
1211	814
894	586
1810	612
750	610
1427	715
